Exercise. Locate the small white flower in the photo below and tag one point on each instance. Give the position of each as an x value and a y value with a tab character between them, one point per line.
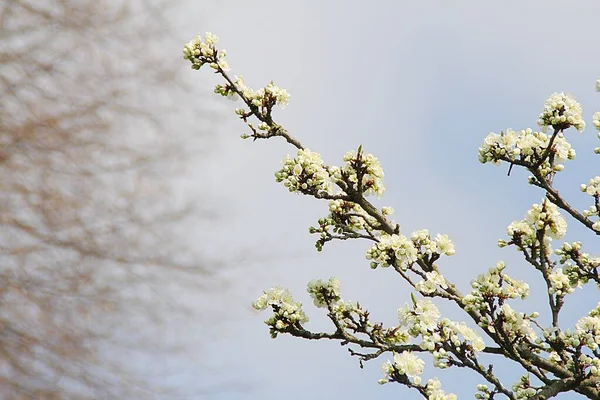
433	280
423	317
445	245
409	364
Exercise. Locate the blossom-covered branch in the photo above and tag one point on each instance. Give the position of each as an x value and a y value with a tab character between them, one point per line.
554	360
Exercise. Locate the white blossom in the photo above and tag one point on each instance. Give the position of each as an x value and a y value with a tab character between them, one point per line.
354	217
387	210
469	335
268	95
445	245
286	311
560	283
494	284
305	173
405	363
593	187
517	324
440	245
497	146
368	166
421	317
545	217
393	249
561	111
588	324
321	291
525	145
408	363
282	97
200	51
433	280
263	95
588	329
434	391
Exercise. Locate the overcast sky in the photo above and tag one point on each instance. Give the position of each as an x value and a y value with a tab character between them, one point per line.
419	85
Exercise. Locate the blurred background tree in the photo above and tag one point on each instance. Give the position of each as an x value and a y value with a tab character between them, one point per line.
90	152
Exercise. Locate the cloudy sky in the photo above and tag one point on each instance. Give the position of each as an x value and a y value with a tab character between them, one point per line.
419	85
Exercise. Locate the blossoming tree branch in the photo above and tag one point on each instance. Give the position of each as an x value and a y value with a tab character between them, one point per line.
554	360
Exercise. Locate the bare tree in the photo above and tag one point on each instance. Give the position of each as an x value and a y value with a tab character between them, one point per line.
85	203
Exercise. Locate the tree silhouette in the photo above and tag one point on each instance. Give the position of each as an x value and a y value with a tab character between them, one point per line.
85	211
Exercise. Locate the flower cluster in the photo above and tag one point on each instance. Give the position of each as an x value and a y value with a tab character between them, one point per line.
395	250
494	284
349	215
543	217
362	172
593	187
449	337
405	363
585	335
323	292
305	173
200	51
590	364
263	97
434	391
584	266
526	146
546	217
421	318
433	280
401	252
452	330
568	250
344	309
497	147
440	245
516	324
281	96
561	111
588	329
286	311
560	283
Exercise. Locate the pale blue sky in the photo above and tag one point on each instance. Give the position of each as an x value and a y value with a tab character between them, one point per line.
419	84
